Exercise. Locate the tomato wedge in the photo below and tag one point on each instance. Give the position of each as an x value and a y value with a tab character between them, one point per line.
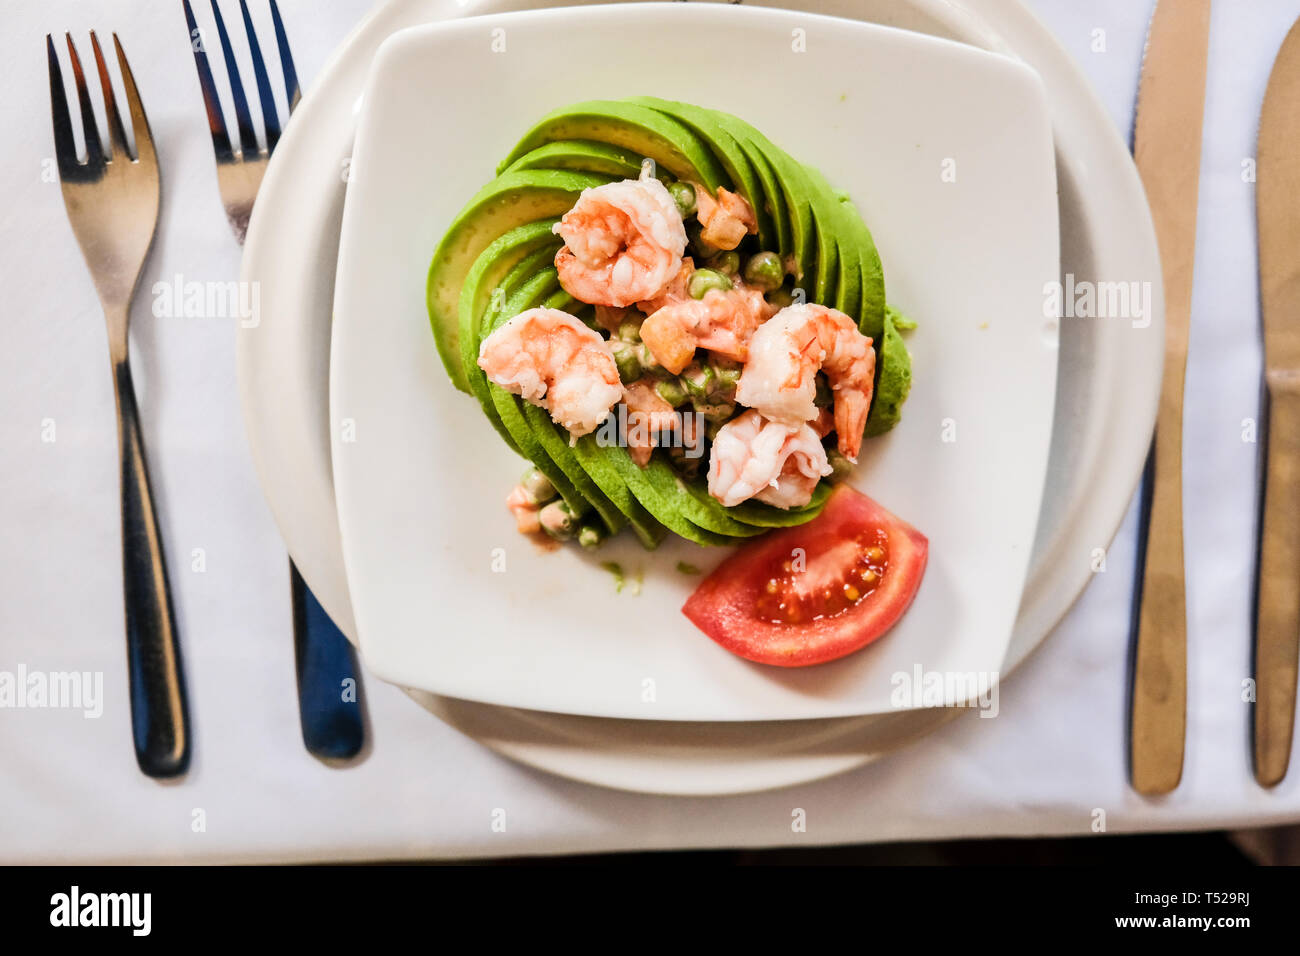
816	592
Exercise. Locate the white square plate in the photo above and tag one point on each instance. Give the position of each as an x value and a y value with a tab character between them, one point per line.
946	151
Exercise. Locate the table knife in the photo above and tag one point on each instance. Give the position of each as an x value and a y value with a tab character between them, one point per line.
1167	148
1277	610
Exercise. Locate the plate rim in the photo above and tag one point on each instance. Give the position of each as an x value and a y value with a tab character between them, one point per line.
1006	25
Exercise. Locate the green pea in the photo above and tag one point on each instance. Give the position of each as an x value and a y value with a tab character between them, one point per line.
697	380
684	195
728	263
630	330
716	413
627	358
537	486
764	271
727	378
781	298
702	280
591	535
671	391
649	364
558	520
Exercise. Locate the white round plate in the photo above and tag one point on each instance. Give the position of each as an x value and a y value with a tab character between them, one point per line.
1105	405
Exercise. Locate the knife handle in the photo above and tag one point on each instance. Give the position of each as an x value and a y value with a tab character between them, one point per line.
1277	609
1159	692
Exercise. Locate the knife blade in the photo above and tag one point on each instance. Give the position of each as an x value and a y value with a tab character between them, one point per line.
1167	149
1277	616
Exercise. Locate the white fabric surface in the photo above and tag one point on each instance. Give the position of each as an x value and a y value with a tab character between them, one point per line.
71	791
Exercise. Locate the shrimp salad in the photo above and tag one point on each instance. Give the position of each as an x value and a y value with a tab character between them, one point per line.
681	327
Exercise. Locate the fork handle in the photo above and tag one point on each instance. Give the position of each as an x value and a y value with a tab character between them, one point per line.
159	720
328	705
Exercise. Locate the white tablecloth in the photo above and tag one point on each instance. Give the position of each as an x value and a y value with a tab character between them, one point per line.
70	790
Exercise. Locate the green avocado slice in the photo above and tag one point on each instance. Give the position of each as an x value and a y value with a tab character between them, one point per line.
766	516
604	472
827	229
662	500
532	293
872	275
796	191
771	197
502	265
829	206
555	441
735	162
581	155
508	201
893	380
613	501
630	126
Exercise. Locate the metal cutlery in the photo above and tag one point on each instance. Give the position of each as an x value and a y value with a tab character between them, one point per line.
112	203
1167	149
1277	613
331	726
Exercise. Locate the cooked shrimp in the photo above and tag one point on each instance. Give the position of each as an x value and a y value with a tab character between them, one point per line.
551	359
724	221
785	355
722	322
648	414
623	242
776	463
676	290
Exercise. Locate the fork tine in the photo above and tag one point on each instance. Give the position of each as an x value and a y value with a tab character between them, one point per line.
264	93
94	152
65	147
116	134
144	150
247	138
216	120
286	59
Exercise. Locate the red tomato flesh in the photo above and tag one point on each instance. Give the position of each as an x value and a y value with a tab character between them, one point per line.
814	593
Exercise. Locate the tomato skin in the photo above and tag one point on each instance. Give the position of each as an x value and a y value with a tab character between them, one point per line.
724	605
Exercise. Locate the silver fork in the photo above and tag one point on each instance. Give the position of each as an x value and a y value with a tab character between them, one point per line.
112	204
331	725
239	174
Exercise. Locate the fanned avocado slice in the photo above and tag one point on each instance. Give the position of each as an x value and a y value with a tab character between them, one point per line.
582	155
872	275
532	293
555	441
829	206
893	380
604	472
501	266
510	200
664	503
770	198
766	516
735	162
827	228
796	191
629	126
